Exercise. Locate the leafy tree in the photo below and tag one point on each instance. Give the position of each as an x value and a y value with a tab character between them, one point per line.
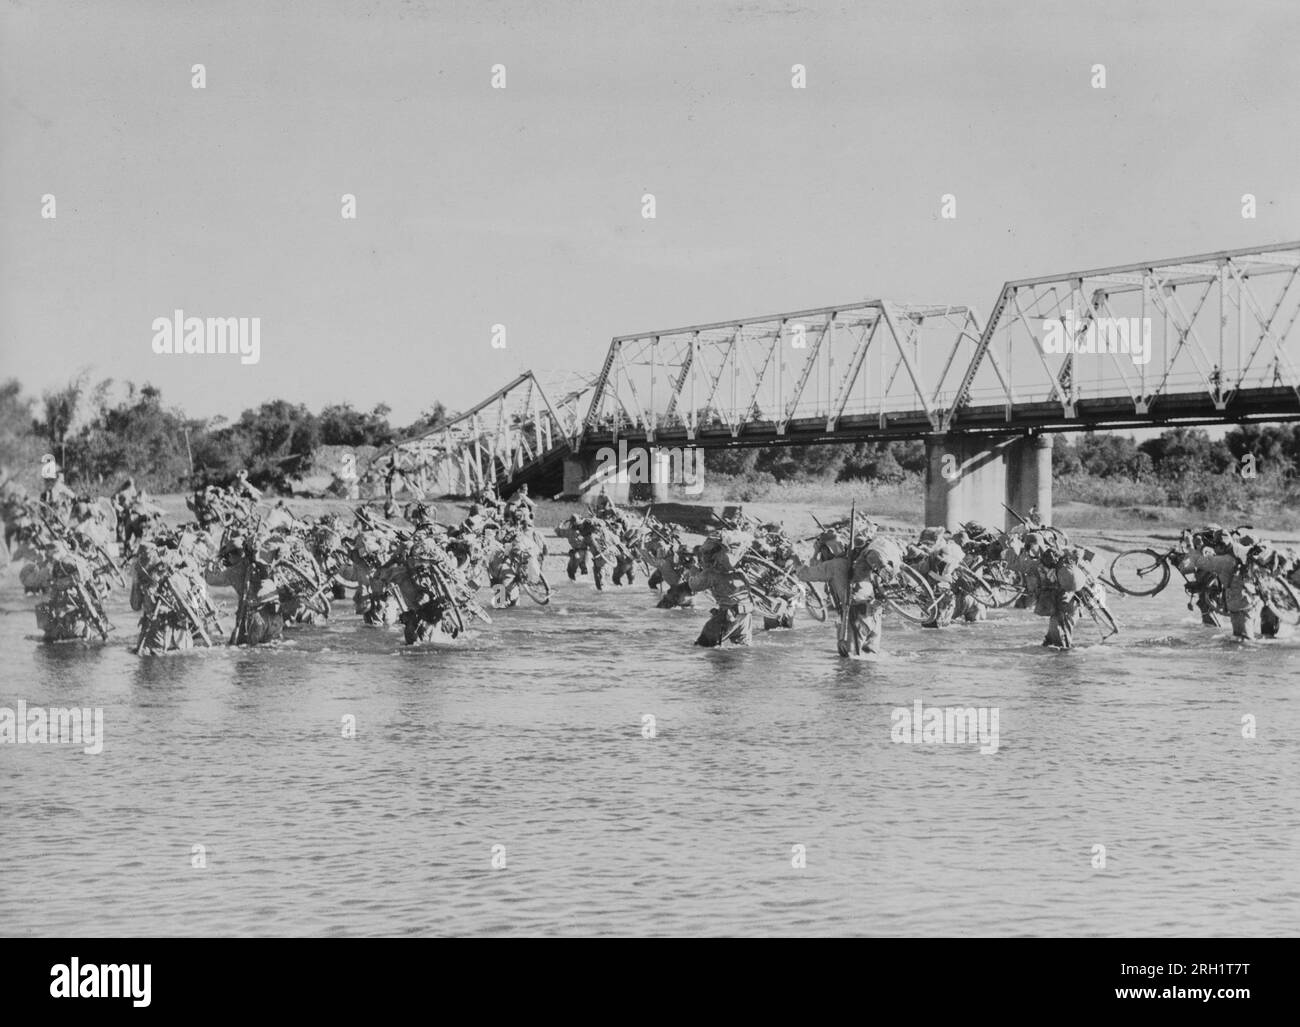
731	462
431	418
1065	458
872	461
220	453
15	415
340	425
137	436
787	463
60	408
1108	456
911	455
1274	446
1180	452
278	438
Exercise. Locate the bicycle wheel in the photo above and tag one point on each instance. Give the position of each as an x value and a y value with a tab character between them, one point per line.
1282	598
452	617
828	596
468	603
909	595
975	584
1102	616
812	602
183	604
539	591
765	604
1006	583
93	612
1140	572
451	610
110	564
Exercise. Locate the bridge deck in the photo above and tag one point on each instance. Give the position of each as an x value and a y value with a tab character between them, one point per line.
1115	413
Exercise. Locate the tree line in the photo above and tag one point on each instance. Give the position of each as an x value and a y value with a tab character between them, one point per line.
1180	467
102	433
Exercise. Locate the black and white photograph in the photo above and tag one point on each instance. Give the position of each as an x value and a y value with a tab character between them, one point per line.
739	469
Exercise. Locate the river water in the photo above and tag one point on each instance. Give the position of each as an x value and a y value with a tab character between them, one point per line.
530	736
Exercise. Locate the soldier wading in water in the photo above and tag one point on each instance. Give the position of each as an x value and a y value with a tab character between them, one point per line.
854	578
719	573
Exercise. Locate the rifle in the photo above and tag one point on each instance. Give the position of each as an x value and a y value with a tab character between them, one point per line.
166	594
241	613
58	532
181	604
842	631
637	540
210	610
318	588
1014	514
107	562
443	590
821	529
144	631
369	520
92	609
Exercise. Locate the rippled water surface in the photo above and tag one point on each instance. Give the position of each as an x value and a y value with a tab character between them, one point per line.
529	736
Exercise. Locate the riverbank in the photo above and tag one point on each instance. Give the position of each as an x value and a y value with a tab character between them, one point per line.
1102	527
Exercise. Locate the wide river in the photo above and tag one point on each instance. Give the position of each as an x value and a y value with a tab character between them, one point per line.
525	746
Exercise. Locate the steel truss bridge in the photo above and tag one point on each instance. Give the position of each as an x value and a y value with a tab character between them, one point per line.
517	432
1203	339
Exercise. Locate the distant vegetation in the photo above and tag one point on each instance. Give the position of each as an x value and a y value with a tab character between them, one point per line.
1253	471
102	433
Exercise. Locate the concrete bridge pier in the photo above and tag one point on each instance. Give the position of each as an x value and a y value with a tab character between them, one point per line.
632	474
656	489
970	477
577	469
1029	477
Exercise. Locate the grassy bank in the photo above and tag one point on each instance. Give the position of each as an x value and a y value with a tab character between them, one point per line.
1079	500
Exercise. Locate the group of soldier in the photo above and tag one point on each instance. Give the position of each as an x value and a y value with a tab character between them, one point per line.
284	570
427	576
751	570
1240	576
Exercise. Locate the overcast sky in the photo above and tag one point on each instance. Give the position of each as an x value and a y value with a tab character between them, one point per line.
522	206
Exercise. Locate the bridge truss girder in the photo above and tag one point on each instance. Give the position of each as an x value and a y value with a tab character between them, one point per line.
876	358
1219	323
513	429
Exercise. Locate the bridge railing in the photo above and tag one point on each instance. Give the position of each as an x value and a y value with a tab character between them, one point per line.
513	429
1143	336
1210	326
874	358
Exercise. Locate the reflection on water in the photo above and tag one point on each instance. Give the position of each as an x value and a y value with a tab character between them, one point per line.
529	736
